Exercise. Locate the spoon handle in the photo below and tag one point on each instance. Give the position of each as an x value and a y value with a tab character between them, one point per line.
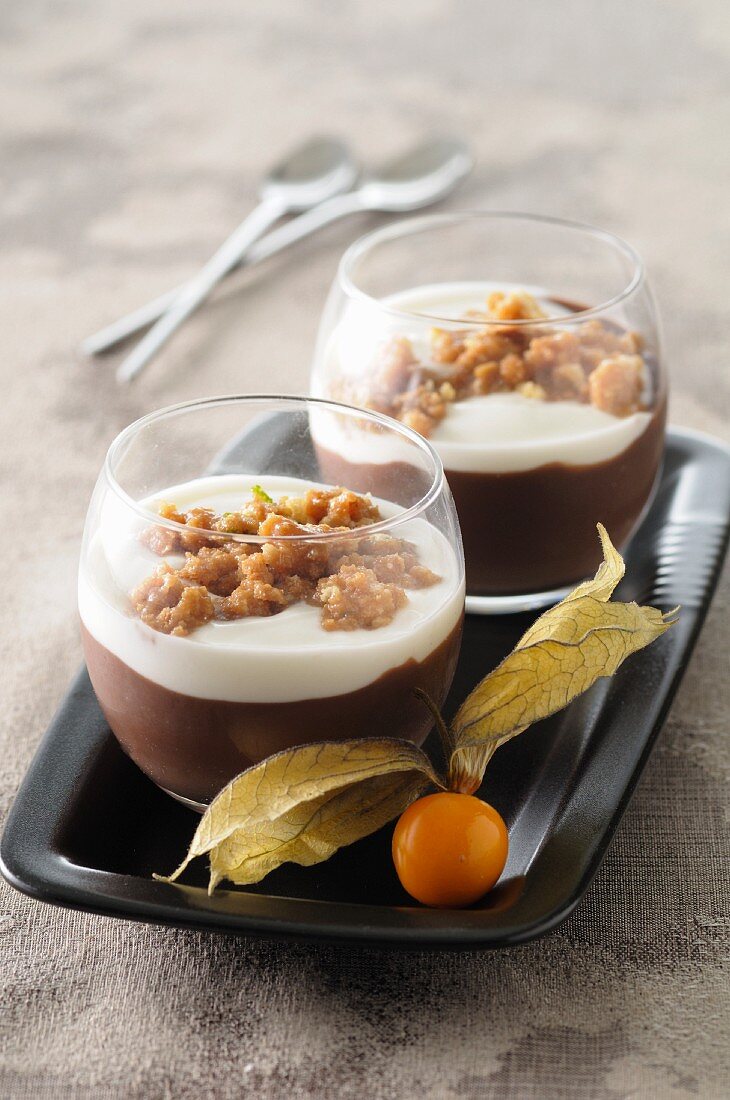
268	245
305	224
132	322
199	287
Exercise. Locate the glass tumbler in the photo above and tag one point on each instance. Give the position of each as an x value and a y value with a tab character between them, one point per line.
233	604
526	349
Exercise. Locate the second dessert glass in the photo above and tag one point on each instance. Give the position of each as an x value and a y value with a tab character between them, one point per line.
228	612
527	350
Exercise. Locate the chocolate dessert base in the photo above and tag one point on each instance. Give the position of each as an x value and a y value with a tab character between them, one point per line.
192	747
534	530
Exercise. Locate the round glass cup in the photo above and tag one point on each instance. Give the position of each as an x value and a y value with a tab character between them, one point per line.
204	674
527	350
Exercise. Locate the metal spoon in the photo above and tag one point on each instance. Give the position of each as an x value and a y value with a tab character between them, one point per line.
418	178
315	171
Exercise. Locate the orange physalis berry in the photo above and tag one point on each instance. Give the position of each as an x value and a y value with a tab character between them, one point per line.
449	849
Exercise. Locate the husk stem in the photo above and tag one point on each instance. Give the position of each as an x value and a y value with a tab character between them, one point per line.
467	767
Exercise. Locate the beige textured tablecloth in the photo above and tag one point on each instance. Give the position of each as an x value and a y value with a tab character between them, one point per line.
133	135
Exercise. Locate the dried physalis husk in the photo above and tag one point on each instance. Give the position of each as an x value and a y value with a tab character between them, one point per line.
567	649
302	804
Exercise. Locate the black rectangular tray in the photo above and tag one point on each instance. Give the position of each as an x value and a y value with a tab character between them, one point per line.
88	829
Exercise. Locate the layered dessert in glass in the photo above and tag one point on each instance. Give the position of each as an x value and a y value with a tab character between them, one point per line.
234	604
526	351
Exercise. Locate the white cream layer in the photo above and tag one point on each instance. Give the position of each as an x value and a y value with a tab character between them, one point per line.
497	433
506	432
282	658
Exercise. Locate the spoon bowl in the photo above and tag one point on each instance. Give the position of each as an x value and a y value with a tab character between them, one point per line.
418	178
317	170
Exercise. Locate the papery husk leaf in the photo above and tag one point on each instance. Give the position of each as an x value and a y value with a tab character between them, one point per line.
302	804
609	573
575	643
590	640
313	831
601	588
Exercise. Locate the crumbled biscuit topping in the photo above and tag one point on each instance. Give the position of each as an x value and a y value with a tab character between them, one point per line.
357	583
593	363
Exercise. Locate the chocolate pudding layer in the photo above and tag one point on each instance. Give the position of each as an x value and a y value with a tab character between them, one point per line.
194	746
534	530
378	478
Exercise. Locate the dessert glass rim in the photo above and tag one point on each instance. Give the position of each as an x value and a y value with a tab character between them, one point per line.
404	226
119	444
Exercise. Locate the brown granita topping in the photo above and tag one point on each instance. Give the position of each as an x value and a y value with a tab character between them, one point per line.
167	603
163	540
615	384
518	305
216	570
334	507
593	363
357	582
354	597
